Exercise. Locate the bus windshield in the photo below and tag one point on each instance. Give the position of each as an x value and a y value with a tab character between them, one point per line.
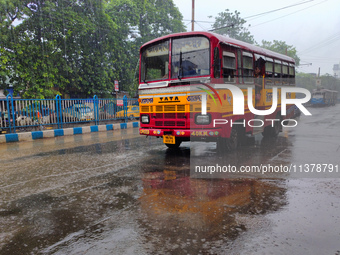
190	57
155	61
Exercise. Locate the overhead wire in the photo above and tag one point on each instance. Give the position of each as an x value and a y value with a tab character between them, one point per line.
331	39
200	26
268	12
289	14
261	14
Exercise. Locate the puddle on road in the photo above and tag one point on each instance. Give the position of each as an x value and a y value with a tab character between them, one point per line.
191	216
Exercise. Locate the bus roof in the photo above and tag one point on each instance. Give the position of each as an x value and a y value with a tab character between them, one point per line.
228	41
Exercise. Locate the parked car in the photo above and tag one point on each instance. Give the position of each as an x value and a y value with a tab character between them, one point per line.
4	118
132	112
79	111
109	109
35	113
31	110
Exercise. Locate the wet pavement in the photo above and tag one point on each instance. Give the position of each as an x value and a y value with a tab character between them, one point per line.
120	193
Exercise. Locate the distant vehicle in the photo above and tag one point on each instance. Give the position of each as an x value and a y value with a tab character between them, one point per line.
80	112
297	112
31	110
324	97
109	109
35	113
4	118
132	112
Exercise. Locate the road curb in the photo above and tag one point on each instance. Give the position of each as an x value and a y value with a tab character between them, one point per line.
30	136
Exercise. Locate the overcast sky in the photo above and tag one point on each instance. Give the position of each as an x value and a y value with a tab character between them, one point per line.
311	26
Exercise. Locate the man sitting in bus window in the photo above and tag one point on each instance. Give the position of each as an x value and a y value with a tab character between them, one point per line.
257	72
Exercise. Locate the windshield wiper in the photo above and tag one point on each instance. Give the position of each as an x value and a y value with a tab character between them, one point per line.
180	70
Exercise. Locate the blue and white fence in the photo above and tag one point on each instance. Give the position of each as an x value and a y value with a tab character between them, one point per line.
23	114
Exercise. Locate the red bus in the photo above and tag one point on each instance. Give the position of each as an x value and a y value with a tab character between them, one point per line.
182	89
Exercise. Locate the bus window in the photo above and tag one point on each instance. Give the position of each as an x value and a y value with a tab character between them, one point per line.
239	66
269	71
190	57
248	70
285	75
277	72
217	63
229	66
155	61
291	74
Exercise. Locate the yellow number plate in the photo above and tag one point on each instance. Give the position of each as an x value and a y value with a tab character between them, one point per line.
169	139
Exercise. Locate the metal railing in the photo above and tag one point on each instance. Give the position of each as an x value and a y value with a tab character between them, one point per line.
24	114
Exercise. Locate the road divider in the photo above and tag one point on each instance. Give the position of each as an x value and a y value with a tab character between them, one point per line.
30	136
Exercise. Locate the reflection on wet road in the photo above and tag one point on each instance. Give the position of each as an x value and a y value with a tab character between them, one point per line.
119	193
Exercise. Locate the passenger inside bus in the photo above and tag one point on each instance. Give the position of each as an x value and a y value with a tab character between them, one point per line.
184	69
259	72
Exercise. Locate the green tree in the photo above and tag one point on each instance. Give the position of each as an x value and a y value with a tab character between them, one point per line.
306	81
283	48
232	25
124	13
155	18
9	13
59	46
330	82
78	47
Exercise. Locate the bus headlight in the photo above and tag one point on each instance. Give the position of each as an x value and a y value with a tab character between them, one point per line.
203	119
145	119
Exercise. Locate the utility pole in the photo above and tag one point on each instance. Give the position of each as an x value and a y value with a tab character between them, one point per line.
193	16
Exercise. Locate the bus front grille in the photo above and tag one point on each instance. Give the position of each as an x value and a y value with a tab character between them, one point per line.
170	123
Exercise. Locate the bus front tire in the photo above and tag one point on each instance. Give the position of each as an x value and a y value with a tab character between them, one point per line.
173	146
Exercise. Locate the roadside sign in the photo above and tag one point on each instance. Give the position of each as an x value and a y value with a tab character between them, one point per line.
116	85
318	82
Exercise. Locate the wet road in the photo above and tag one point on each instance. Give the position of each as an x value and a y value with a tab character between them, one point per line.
119	193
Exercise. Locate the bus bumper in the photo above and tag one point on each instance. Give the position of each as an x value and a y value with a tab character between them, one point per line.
183	134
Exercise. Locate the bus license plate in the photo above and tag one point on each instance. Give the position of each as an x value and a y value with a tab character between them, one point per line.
170	139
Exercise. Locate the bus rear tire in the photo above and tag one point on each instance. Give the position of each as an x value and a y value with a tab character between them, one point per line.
270	131
233	140
229	144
